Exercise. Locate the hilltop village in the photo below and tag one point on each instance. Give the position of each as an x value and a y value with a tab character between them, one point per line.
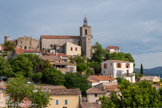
62	71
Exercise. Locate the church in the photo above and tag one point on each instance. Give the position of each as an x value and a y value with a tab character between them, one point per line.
70	45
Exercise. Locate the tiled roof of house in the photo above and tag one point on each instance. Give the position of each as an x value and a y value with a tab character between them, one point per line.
64	63
65	91
61	54
49	87
113	47
111	88
59	37
95	90
90	105
57	54
149	78
50	58
21	51
119	61
97	78
49	54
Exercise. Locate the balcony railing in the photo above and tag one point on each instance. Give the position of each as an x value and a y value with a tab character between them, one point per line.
126	74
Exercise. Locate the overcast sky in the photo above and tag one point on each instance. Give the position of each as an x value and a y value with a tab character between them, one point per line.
133	25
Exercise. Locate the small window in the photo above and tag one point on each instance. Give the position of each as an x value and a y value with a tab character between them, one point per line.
127	65
105	66
51	45
85	31
76	49
40	66
95	95
25	47
66	102
57	102
118	65
71	48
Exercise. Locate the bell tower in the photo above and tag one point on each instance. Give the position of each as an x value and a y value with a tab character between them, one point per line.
85	35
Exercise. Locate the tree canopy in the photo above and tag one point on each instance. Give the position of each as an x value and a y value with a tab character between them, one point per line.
119	56
9	46
53	76
98	55
18	90
75	80
22	65
140	94
5	68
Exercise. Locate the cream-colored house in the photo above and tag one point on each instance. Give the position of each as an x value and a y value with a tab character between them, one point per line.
150	78
72	49
112	49
64	98
118	68
97	79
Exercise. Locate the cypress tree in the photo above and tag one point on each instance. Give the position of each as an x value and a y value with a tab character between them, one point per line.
142	73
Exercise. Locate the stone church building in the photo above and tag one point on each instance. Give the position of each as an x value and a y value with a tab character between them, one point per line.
58	43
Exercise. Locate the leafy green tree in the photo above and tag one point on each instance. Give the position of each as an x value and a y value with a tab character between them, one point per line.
136	75
75	80
46	64
33	58
142	73
40	99
120	79
96	66
99	53
5	68
22	65
37	77
9	46
140	94
77	59
53	76
17	90
119	56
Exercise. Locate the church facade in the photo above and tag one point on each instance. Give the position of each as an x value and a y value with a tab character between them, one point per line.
57	43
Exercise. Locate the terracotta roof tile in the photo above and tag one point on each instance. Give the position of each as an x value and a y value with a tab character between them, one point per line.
111	88
101	77
90	105
59	37
113	47
61	54
65	91
119	61
21	51
149	78
50	58
95	90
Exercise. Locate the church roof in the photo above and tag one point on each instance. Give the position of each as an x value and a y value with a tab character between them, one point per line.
59	37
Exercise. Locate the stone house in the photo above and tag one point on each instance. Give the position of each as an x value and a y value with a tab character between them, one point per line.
25	42
150	78
101	89
118	68
58	43
59	63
